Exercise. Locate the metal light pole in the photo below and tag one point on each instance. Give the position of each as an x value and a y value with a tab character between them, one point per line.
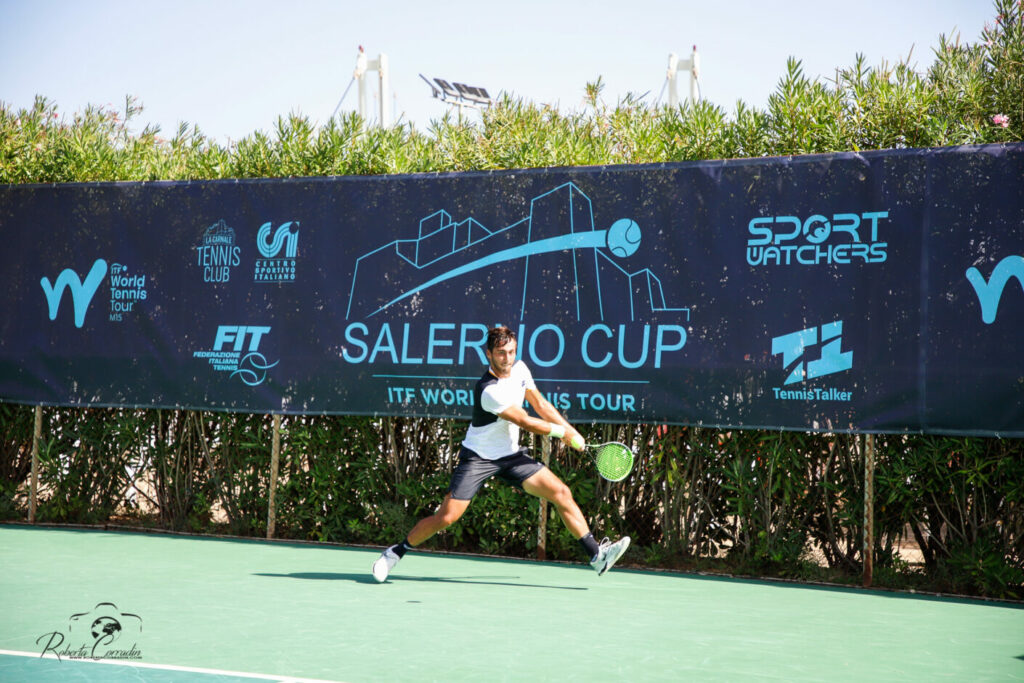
675	65
380	65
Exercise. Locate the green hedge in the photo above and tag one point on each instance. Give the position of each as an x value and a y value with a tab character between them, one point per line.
763	503
785	504
953	100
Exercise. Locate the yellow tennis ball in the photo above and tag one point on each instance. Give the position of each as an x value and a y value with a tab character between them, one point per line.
577	442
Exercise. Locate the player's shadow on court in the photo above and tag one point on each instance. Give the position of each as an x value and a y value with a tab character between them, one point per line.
366	578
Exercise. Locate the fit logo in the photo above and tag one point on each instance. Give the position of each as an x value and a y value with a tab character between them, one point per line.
833	359
236	336
81	292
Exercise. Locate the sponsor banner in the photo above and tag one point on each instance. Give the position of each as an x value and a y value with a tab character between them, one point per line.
881	291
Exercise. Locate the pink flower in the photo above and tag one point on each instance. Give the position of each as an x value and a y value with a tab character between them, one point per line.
1001	120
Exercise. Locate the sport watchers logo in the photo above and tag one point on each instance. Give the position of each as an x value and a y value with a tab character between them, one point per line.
236	350
279	248
816	240
803	364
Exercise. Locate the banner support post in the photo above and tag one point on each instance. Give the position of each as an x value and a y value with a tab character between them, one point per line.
275	456
542	521
37	433
869	509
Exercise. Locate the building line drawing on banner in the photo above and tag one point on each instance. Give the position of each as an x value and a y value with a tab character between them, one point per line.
564	210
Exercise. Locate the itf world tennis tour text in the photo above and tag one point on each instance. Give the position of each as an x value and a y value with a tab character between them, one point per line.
464	397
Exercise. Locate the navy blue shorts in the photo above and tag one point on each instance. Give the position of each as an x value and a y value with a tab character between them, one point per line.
472	471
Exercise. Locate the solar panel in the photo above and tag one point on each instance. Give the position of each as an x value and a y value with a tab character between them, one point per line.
460	92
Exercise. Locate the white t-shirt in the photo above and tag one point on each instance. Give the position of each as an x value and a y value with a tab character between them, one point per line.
489	436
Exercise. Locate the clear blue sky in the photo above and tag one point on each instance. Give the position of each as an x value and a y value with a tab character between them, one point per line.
233	67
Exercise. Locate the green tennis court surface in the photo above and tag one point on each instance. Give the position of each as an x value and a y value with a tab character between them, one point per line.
221	610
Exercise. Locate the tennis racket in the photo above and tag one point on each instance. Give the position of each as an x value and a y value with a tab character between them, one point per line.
614	460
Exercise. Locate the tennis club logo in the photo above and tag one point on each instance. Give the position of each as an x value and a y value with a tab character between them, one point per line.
827	340
217	253
839	239
82	291
990	292
104	632
279	248
236	351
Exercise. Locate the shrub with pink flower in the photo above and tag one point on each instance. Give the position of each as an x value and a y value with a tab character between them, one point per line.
1001	120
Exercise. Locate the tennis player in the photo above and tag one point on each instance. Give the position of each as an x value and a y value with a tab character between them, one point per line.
491	448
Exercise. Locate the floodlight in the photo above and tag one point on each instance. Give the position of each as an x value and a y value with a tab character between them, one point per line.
459	94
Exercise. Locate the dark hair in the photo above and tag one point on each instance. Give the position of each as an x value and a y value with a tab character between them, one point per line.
499	336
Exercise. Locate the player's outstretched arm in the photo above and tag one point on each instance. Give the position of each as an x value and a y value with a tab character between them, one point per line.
550	414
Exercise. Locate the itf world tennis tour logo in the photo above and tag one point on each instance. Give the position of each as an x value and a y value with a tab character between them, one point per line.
990	291
104	632
126	290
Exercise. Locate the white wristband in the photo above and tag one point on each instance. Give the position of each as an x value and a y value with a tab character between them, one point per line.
557	431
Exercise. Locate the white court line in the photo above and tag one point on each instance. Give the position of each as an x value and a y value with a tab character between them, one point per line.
172	667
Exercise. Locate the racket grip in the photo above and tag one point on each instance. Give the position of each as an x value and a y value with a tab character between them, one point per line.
577	442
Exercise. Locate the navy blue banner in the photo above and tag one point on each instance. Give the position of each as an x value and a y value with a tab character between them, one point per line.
881	291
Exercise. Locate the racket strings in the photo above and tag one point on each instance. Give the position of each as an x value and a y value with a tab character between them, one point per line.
614	461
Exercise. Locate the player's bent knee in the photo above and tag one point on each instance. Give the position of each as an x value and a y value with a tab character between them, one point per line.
448	517
563	496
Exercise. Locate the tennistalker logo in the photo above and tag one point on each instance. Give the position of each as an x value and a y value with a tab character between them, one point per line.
105	632
832	360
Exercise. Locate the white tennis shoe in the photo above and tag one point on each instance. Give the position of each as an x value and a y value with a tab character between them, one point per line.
384	564
608	554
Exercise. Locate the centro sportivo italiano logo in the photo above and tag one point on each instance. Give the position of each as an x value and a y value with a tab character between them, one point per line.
831	359
236	350
126	289
105	632
793	241
276	266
